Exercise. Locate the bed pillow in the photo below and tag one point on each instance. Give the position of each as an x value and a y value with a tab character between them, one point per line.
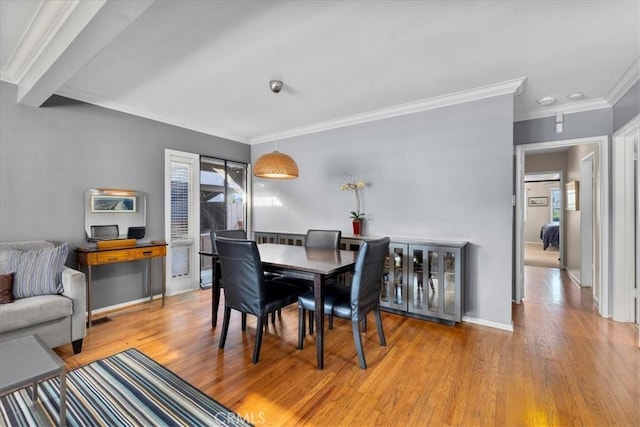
38	272
6	288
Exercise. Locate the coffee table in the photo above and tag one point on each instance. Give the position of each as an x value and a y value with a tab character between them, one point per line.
29	360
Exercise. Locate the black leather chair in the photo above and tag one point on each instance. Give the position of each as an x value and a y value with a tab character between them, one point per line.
246	289
231	234
356	302
323	239
242	235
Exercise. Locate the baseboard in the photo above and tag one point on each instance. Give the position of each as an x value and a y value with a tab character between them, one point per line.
489	323
534	243
575	279
124	305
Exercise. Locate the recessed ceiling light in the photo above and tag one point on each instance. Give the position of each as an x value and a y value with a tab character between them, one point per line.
547	100
575	96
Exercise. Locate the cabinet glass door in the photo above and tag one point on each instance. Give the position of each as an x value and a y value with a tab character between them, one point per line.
449	260
425	281
394	291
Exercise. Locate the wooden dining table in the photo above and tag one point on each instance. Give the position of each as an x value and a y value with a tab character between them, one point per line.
314	264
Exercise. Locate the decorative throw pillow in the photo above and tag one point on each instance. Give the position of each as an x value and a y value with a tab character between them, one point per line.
38	272
6	287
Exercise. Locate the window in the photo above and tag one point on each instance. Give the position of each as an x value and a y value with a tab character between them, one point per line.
556	204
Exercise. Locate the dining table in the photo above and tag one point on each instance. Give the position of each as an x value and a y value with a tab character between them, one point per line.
315	264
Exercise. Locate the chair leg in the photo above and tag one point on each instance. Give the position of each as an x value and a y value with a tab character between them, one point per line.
357	338
244	321
256	350
364	324
301	327
225	326
331	321
376	313
311	322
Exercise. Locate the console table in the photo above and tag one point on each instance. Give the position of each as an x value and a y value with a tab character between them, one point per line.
89	257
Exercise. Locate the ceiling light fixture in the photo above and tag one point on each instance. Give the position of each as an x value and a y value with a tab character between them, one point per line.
547	100
575	96
275	165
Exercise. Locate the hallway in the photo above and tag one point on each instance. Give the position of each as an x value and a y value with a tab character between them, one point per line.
563	331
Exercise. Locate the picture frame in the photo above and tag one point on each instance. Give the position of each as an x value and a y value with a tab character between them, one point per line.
538	201
113	204
572	196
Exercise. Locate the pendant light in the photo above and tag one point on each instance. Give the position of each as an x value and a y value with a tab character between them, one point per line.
275	165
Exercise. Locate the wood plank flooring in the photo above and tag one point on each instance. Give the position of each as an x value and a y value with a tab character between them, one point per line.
562	365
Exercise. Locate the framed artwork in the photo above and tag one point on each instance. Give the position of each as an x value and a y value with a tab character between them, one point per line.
538	201
571	191
113	203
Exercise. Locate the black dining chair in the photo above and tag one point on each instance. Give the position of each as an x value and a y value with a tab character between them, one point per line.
356	302
323	239
242	235
319	239
246	289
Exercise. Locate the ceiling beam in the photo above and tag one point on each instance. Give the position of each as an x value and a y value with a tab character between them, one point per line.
74	37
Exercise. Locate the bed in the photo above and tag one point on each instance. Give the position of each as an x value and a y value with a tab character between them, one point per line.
550	235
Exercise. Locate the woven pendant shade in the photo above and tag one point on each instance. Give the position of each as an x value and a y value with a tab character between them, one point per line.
275	165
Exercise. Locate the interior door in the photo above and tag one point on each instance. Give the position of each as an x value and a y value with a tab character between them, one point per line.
182	220
586	221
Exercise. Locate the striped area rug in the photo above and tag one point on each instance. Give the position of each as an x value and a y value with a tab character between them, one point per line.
126	389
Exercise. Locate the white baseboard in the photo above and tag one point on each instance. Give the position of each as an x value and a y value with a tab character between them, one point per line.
134	302
482	322
534	243
575	279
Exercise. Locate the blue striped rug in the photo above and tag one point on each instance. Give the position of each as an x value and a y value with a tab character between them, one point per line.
126	389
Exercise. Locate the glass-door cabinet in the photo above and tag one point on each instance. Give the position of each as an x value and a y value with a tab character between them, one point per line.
435	280
394	278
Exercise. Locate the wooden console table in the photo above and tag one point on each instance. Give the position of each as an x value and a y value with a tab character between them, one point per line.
89	257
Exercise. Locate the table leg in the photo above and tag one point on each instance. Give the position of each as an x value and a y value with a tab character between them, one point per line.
164	278
63	397
149	280
88	296
318	296
215	293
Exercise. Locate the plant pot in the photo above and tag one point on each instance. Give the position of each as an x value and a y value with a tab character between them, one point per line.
357	227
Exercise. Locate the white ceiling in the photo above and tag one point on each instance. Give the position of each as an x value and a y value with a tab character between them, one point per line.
205	65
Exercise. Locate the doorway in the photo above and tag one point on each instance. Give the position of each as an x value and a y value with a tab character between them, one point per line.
181	171
542	219
602	240
626	223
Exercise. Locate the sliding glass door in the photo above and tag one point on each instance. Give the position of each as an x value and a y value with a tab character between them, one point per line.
223	195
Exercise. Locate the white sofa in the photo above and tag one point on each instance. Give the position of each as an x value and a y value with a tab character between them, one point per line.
57	319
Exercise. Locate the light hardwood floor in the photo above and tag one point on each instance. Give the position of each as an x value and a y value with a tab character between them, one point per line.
562	364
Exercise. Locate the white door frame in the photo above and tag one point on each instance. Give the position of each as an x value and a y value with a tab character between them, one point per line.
586	191
192	281
603	225
624	243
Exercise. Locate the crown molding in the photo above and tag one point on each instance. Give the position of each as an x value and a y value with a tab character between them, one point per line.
515	87
45	25
573	107
628	79
93	99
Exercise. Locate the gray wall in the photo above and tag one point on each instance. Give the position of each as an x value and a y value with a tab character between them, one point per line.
50	155
442	174
627	107
576	125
